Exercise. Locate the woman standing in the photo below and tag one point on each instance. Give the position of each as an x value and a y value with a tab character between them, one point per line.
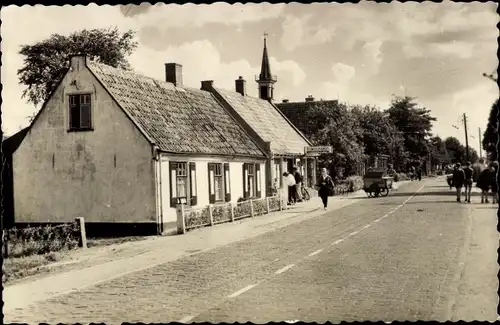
325	187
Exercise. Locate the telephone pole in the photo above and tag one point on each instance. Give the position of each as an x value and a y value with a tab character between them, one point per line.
480	145
466	138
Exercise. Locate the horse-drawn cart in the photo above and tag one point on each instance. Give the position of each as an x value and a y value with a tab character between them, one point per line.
377	183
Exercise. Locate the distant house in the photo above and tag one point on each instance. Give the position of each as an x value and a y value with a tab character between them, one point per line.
123	150
9	146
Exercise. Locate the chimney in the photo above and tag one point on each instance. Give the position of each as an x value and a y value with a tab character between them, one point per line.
240	85
285	100
310	98
173	73
207	85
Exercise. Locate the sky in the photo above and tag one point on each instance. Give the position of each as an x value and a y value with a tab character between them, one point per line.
358	53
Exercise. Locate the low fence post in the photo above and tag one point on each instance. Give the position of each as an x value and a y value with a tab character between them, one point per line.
251	208
232	212
82	236
181	219
5	244
267	204
211	215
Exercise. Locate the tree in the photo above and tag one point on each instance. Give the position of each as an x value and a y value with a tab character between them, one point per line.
490	136
415	123
46	62
380	136
455	149
439	153
334	125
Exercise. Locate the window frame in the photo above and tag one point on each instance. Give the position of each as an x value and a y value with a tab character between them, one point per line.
77	103
252	187
220	172
187	171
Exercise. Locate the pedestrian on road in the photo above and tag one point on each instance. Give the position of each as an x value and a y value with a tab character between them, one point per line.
290	185
419	173
469	173
483	183
478	169
458	180
493	180
325	187
298	183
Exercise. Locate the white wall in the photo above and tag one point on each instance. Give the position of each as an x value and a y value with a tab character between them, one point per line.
236	181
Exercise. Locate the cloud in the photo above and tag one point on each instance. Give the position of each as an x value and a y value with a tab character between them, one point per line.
297	32
174	15
343	73
338	87
211	67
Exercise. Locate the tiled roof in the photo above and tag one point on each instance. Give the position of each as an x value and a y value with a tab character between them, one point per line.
267	122
180	120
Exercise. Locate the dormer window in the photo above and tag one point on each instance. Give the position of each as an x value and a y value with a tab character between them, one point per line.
80	112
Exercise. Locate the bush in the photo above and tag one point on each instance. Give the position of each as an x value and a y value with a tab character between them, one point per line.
402	177
356	183
197	218
41	240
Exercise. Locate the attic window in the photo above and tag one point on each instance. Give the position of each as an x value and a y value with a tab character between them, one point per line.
80	112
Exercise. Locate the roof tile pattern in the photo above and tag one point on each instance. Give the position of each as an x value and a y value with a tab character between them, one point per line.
267	122
179	120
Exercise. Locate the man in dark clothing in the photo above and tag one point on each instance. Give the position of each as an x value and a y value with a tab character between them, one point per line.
298	183
468	173
458	180
419	173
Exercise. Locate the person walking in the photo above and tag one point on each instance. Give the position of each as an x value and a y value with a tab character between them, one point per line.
458	180
478	169
483	183
325	187
419	173
290	184
468	173
298	183
493	181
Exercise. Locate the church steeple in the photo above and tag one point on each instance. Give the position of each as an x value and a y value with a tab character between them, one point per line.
266	80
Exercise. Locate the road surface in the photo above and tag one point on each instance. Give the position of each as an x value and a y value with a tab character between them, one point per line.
414	255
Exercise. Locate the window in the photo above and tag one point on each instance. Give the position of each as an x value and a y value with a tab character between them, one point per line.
182	183
80	117
218	181
251	180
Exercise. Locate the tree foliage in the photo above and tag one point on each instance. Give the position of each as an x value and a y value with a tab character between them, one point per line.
380	136
46	62
458	153
415	123
490	136
333	124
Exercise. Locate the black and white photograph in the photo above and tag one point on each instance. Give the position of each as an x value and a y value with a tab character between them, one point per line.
255	162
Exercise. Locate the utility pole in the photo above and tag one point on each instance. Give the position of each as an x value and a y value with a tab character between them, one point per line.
466	138
480	145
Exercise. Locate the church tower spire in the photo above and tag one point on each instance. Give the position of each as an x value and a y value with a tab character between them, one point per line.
266	80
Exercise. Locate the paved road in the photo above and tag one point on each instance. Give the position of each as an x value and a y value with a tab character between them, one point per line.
410	256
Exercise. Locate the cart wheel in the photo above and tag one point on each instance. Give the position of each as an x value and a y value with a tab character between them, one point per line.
377	194
384	192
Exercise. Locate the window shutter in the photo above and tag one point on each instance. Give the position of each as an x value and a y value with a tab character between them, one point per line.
257	181
211	183
173	183
192	184
227	183
245	181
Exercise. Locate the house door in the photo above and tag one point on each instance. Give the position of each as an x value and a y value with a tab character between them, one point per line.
289	165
